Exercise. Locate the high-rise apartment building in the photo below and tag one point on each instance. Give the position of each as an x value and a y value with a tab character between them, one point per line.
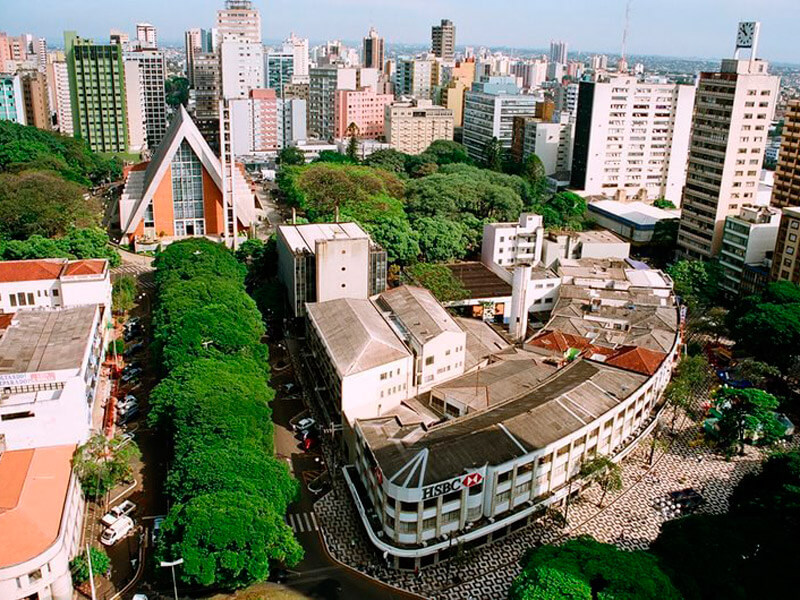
241	52
325	81
97	91
747	239
239	21
733	111
254	121
786	259
196	40
373	50
35	98
551	142
786	191
278	70
152	77
558	52
298	47
205	95
411	127
134	106
12	104
414	76
443	40
364	109
632	139
291	121
146	36
489	111
58	84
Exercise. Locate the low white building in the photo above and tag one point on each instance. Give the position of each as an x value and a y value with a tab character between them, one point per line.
41	522
54	283
583	244
632	221
49	369
509	244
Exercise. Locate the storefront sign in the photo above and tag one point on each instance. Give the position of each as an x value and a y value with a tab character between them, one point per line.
15	379
439	489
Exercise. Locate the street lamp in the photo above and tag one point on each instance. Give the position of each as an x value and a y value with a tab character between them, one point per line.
172	566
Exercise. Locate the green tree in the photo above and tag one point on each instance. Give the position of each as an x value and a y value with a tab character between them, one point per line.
440	240
123	293
493	155
747	413
564	210
534	173
664	203
102	463
291	156
439	279
395	235
42	203
352	144
585	569
696	281
332	156
79	566
389	160
227	539
177	90
605	472
774	489
196	257
447	152
756	372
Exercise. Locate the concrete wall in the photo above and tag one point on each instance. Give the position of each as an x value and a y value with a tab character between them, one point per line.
342	269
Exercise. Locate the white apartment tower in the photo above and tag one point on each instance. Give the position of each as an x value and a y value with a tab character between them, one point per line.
58	85
240	49
152	76
733	112
146	36
632	139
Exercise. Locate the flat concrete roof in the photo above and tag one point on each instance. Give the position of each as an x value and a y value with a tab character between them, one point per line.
46	340
637	213
304	238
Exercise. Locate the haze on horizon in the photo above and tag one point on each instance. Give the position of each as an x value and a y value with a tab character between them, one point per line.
680	28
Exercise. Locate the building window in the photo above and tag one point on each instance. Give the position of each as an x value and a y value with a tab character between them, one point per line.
429	361
187	192
429	523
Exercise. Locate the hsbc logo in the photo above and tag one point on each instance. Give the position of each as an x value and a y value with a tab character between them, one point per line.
439	489
472	479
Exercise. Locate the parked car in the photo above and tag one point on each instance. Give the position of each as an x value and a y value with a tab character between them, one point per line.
156	531
119	511
129	414
304	424
133	349
130	334
133	322
310	443
128	399
116	531
131	375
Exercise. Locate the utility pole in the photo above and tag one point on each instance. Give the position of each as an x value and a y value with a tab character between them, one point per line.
172	565
91	573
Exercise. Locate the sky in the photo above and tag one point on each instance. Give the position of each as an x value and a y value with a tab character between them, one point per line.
684	28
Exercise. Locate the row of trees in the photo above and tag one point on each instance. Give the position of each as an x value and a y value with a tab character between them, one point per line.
749	552
430	207
84	242
228	493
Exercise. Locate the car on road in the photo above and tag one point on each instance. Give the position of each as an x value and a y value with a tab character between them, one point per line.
128	400
133	322
119	511
156	531
127	415
117	531
310	443
304	424
133	349
131	375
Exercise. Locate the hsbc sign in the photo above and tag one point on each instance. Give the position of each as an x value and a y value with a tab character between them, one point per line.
446	487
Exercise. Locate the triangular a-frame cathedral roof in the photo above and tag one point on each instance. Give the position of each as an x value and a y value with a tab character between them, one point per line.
142	184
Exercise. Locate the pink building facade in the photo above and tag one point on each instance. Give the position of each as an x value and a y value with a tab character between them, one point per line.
365	108
265	120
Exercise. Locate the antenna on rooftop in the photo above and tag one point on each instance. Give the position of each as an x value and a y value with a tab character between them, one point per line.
625	30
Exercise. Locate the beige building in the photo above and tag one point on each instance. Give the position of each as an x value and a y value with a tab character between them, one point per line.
787	174
733	112
35	97
411	127
786	260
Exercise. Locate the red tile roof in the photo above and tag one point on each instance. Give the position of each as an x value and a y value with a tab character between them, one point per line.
5	320
634	358
30	270
559	342
84	267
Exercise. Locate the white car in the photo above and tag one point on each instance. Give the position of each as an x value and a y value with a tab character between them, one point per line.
118	530
116	513
304	424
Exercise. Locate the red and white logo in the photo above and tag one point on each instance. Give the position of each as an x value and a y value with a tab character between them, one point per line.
472	479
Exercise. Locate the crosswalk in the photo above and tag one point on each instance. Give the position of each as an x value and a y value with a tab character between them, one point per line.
302	522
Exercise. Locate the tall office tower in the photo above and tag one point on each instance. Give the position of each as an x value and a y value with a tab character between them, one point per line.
205	95
239	21
558	52
489	111
786	259
298	48
632	139
414	76
134	106
97	92
40	50
747	240
443	40
152	78
733	111
196	40
786	191
12	104
278	70
373	50
462	76
322	97
146	36
34	96
58	86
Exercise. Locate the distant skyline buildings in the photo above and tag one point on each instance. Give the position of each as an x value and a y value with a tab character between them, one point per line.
593	27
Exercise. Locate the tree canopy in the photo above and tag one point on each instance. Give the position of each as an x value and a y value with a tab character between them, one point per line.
585	569
177	90
696	281
87	242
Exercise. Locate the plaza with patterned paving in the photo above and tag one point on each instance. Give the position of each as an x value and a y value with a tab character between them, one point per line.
629	519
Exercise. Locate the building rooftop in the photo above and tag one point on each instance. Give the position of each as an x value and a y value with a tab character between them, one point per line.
46	340
482	341
638	214
49	268
32	500
418	312
479	281
356	335
304	238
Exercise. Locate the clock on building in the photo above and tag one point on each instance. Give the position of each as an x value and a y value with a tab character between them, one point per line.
746	35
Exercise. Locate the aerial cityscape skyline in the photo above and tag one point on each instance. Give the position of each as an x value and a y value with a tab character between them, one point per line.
597	28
